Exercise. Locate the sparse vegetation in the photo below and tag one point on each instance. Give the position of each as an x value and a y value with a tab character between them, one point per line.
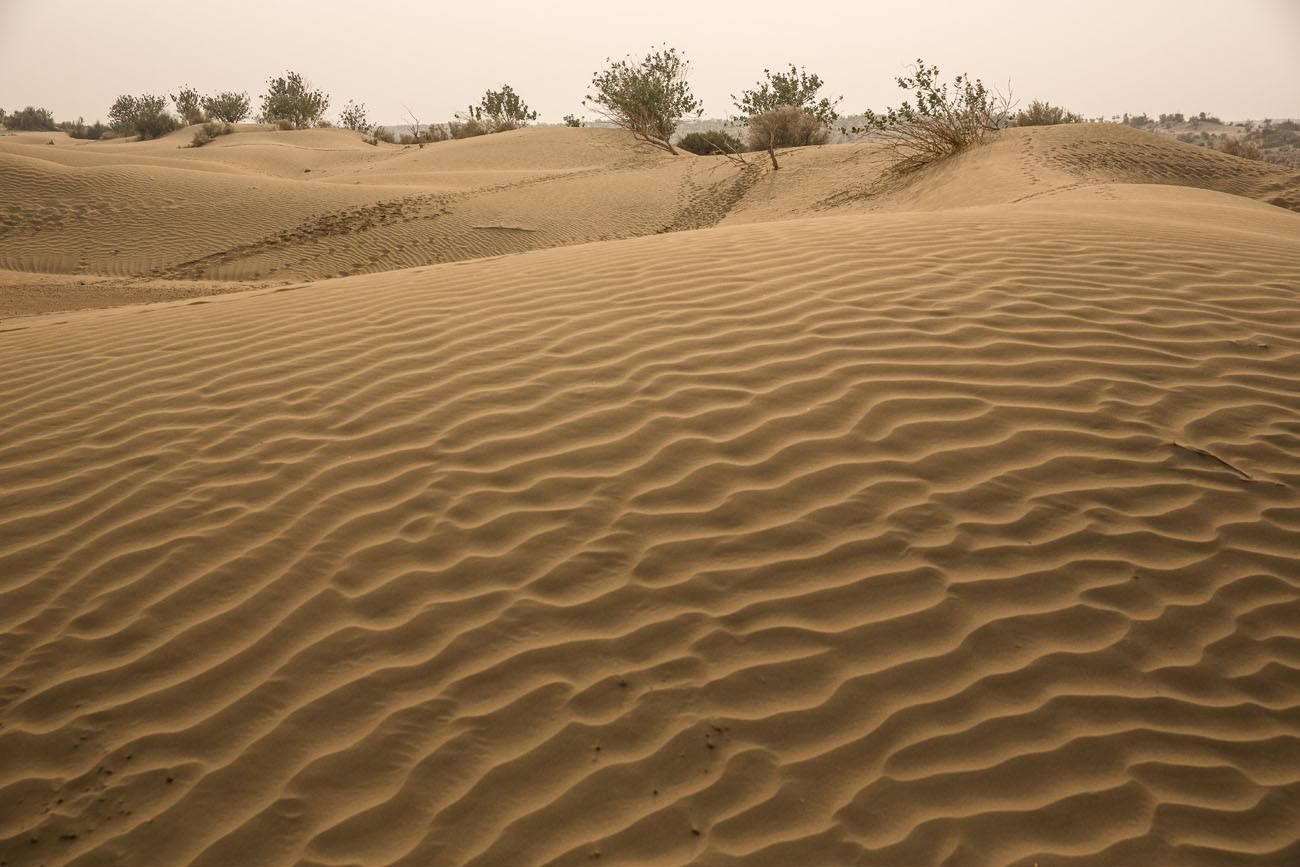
210	131
79	130
189	105
30	119
1243	147
466	128
944	120
1138	121
354	117
144	116
380	133
501	110
1040	113
647	97
291	99
797	88
229	106
572	120
784	126
710	143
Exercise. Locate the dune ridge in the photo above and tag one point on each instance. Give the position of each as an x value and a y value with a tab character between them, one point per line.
891	535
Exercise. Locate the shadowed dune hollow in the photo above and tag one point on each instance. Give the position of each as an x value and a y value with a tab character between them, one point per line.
534	500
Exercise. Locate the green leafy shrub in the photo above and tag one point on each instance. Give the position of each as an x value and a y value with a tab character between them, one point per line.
189	105
1044	114
290	99
229	106
797	88
210	131
144	116
648	98
572	120
785	126
944	120
31	119
710	143
353	117
501	110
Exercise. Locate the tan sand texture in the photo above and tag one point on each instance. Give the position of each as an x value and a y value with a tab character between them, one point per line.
854	529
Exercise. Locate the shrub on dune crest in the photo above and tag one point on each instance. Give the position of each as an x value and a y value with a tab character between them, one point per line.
209	131
648	98
944	120
78	129
354	117
783	127
501	110
189	105
291	99
1044	114
144	116
228	107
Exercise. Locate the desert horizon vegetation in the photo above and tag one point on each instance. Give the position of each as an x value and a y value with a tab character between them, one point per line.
651	98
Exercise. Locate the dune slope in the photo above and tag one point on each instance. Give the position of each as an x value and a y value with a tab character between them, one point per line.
961	537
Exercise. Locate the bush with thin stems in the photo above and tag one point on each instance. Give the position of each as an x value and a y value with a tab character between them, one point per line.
144	116
354	117
647	97
291	99
798	87
784	126
1039	113
228	106
189	105
944	119
572	120
501	110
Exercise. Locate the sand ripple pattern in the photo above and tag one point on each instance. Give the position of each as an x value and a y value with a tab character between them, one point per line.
866	540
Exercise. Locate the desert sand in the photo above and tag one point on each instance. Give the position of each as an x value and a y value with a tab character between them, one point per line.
535	499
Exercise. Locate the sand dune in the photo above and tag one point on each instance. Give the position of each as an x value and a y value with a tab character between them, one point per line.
856	529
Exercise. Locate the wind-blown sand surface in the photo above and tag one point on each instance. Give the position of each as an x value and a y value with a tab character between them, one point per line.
954	522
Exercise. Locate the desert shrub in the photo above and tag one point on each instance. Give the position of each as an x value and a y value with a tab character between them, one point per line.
467	128
785	126
710	143
144	116
1040	113
572	120
1245	148
1138	121
381	133
78	129
501	110
648	98
353	117
209	131
407	139
797	88
31	119
189	105
291	99
943	121
228	106
1208	118
1171	119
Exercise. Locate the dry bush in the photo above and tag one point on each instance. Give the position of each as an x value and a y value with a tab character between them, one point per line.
468	128
1241	147
381	134
209	131
189	105
785	126
1045	114
945	120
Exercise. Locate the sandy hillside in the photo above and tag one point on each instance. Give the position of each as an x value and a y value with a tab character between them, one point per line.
954	522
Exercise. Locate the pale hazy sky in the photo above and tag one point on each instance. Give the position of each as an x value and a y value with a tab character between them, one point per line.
1237	59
